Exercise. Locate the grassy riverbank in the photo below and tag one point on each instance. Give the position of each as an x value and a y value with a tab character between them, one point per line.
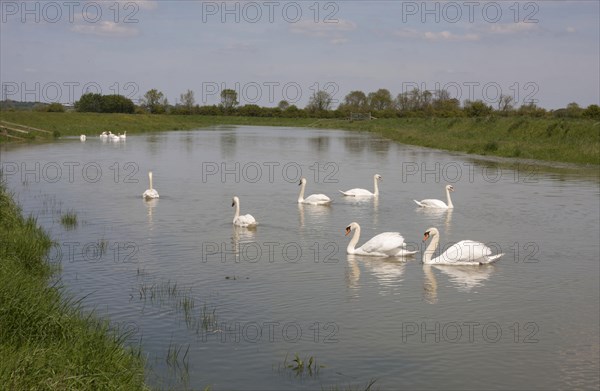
548	139
45	341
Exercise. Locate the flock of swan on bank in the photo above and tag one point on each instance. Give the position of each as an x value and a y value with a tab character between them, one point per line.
386	244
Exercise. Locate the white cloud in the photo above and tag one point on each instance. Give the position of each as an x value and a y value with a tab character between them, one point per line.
333	32
435	36
512	28
106	28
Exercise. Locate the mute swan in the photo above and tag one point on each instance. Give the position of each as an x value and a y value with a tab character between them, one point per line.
82	137
123	136
387	244
465	252
104	135
242	221
429	203
313	199
114	137
150	193
364	192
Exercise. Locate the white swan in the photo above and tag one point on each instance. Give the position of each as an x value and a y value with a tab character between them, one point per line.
387	244
114	137
313	199
82	137
463	253
104	135
429	203
123	136
364	192
150	193
242	221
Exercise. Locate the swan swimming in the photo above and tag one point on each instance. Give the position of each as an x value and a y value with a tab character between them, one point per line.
123	136
242	221
82	137
387	244
430	203
313	199
150	193
364	192
104	135
465	252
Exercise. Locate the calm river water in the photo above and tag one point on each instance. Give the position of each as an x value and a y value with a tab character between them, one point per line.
230	308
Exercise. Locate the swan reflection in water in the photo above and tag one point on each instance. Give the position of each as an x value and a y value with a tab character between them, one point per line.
317	214
389	272
241	239
463	278
150	203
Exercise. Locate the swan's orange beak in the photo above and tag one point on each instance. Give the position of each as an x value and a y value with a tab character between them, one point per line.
347	231
425	236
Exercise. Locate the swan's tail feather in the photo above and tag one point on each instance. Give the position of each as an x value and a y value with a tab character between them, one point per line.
418	203
492	258
343	192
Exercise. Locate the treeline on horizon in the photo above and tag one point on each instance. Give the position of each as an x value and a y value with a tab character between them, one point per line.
380	104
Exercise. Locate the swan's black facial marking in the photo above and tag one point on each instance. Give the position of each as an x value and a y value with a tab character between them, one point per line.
426	236
348	229
233	203
299	184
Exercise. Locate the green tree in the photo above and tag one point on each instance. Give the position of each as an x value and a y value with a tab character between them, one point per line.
319	101
380	100
89	102
116	104
283	105
155	102
573	110
228	99
477	108
188	101
592	111
355	101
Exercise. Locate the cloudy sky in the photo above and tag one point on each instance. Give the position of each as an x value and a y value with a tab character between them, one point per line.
546	51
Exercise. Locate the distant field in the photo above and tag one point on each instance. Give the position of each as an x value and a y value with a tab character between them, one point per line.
559	140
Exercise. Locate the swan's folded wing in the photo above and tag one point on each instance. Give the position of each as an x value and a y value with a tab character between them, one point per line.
357	193
431	203
466	251
317	198
387	243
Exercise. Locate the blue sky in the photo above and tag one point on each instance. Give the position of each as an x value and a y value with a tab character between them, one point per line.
548	51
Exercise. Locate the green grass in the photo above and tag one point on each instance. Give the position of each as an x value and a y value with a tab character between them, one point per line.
548	139
46	342
69	220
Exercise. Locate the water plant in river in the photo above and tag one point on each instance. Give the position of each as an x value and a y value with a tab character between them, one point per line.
69	220
307	366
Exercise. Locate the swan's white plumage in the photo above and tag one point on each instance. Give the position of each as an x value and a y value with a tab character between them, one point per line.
82	137
364	192
313	199
244	220
463	253
150	193
387	244
123	136
433	203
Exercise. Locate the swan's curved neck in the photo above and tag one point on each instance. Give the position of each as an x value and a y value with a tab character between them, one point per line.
352	245
449	199
376	192
237	211
431	249
150	178
301	195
